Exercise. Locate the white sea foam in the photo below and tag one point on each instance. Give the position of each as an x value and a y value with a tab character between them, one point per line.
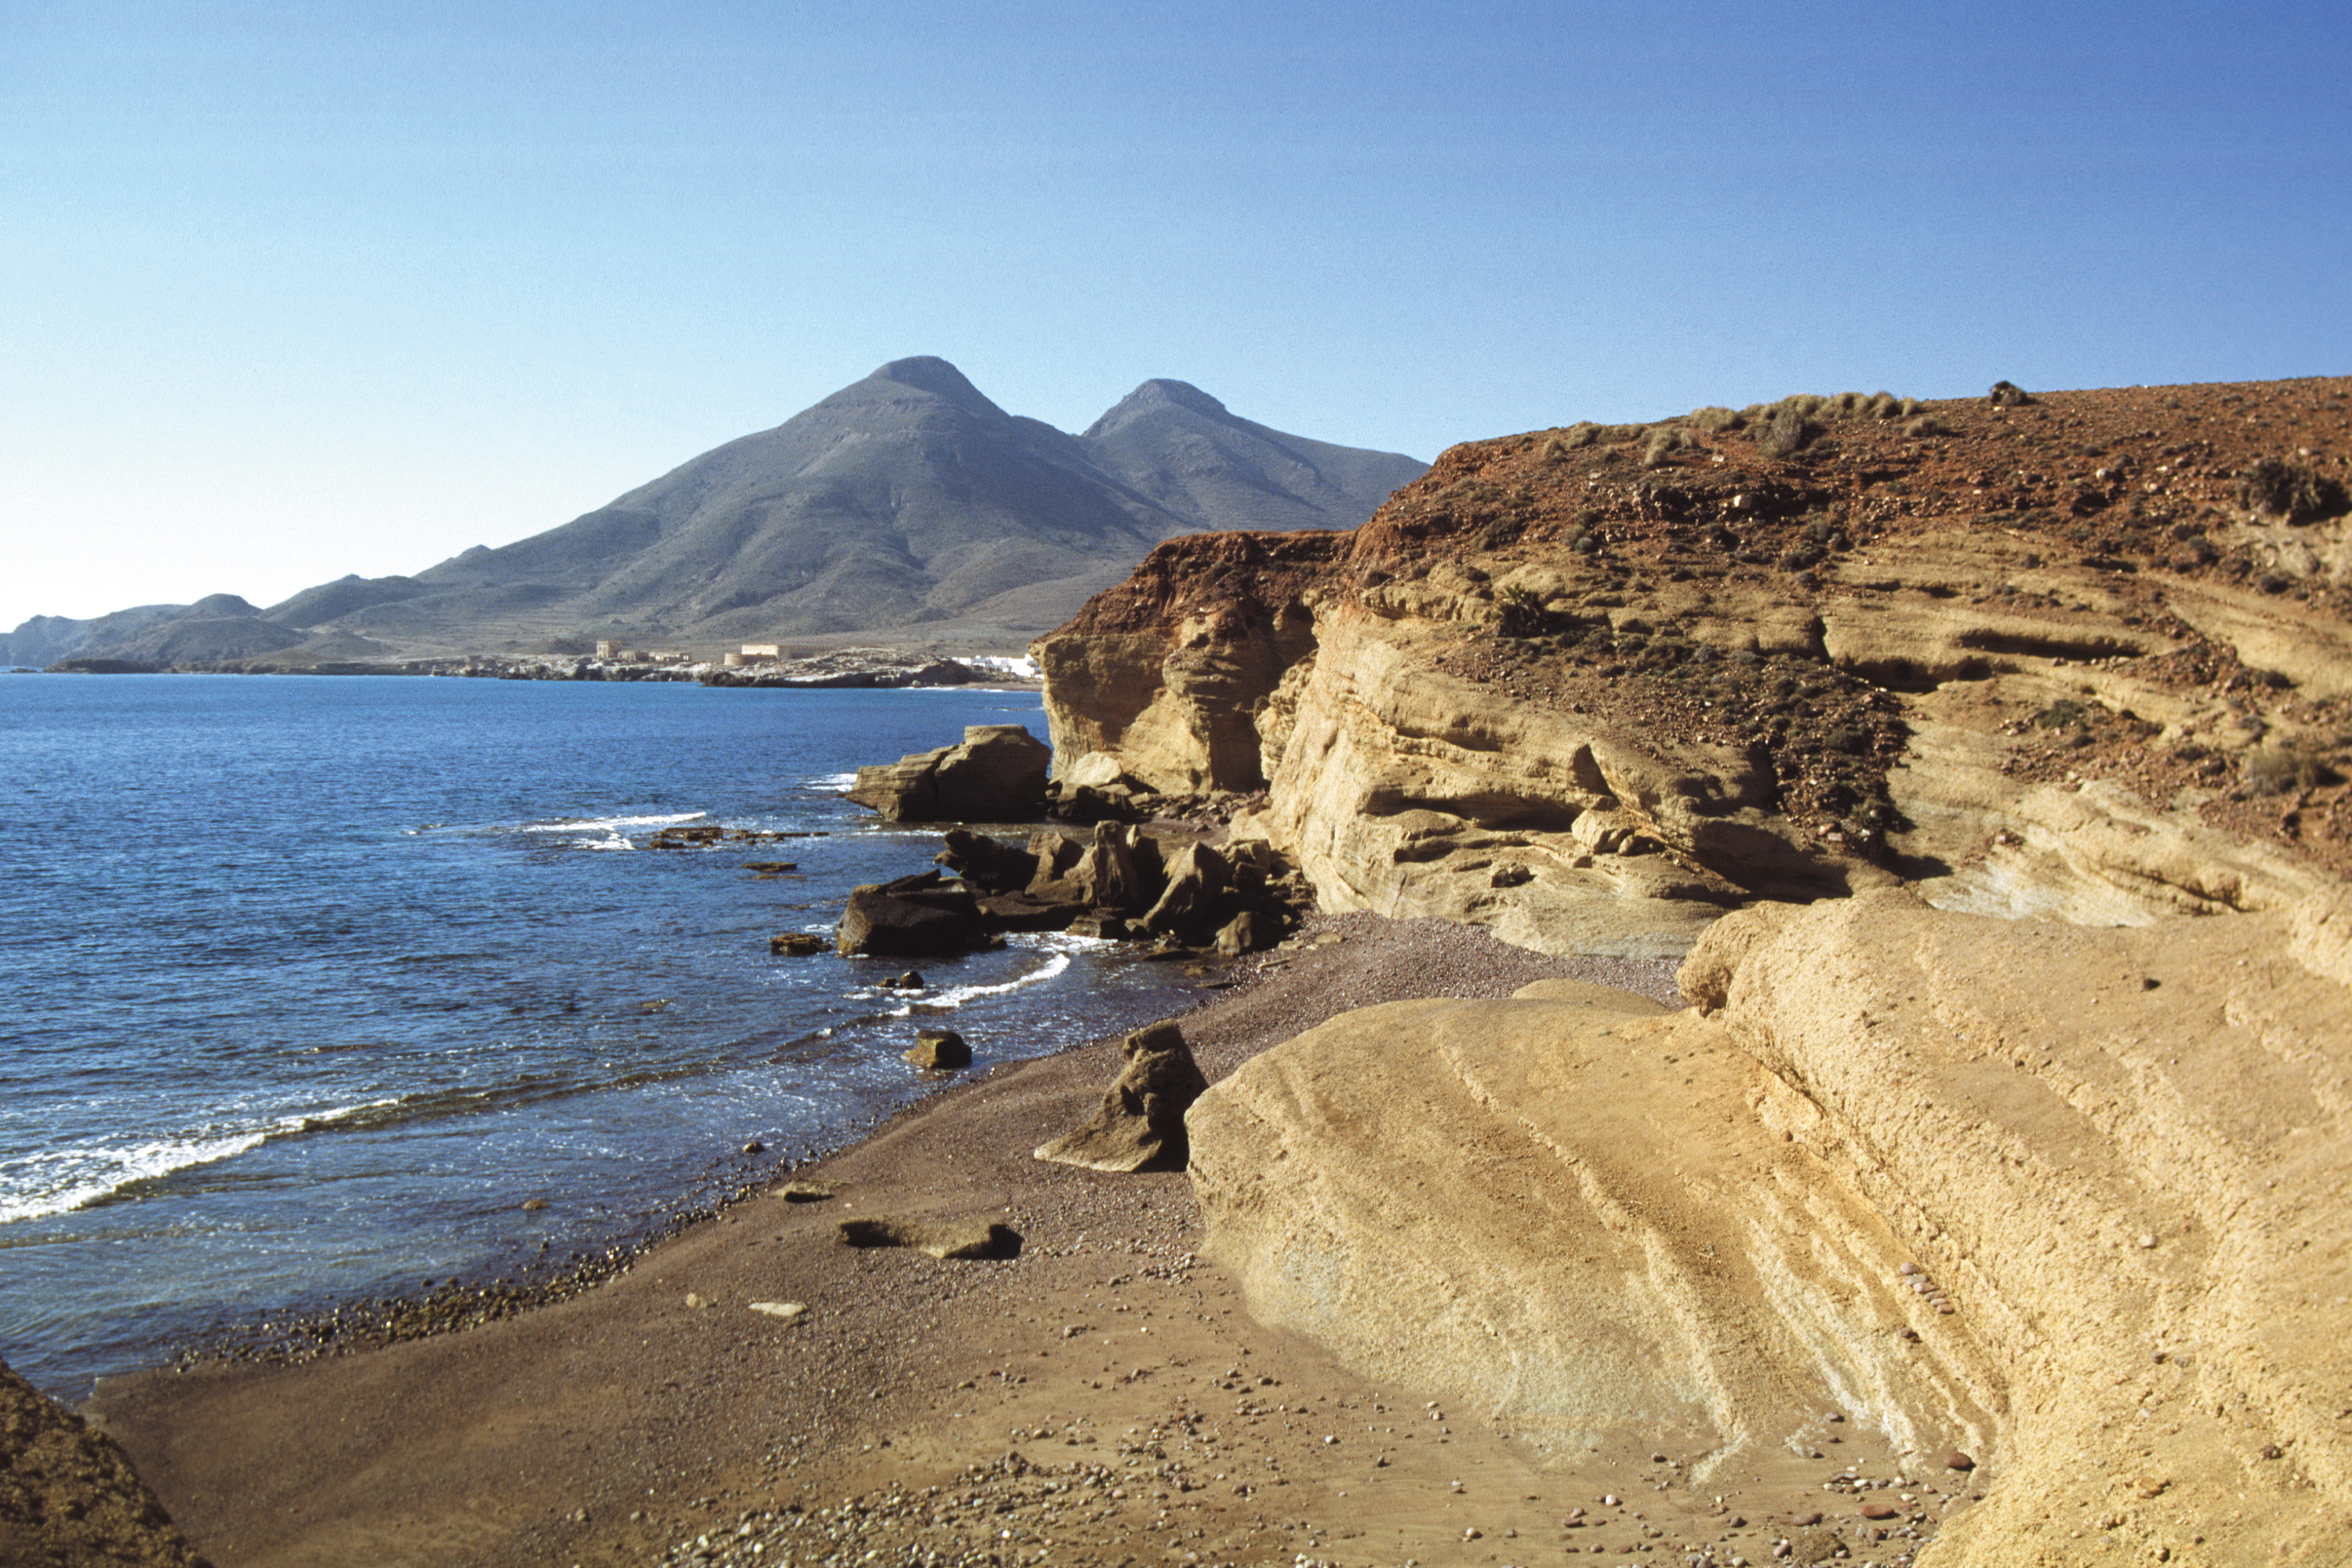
69	1179
834	781
953	996
607	824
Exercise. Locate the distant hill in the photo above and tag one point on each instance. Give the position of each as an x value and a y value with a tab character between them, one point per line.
906	507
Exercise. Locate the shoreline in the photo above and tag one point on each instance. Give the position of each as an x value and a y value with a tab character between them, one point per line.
621	1422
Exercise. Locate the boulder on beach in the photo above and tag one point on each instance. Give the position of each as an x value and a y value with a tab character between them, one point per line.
1119	871
959	1238
939	1050
996	774
1197	874
1140	1123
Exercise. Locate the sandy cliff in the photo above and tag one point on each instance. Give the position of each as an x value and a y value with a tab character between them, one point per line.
2015	734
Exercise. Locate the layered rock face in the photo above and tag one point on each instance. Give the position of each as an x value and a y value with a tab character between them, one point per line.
1591	688
1990	762
2097	1249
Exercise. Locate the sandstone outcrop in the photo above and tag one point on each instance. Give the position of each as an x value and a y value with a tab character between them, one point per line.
996	774
1140	1123
2051	656
2095	1248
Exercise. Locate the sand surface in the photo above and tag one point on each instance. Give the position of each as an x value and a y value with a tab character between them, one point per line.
1102	1397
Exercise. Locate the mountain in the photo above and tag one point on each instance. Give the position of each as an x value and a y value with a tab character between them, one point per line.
906	507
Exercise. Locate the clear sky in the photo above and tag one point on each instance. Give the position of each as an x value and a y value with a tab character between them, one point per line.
293	289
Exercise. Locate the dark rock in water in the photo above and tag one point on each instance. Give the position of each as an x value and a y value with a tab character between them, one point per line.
755	1147
796	944
1014	912
909	981
1140	1125
939	1050
924	923
941	1238
986	863
67	1495
1113	928
997	774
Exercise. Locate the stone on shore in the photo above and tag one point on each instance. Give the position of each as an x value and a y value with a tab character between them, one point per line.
939	1050
796	944
1140	1124
1197	874
960	1238
1117	873
996	774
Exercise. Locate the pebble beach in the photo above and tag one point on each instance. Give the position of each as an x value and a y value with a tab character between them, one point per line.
1103	1396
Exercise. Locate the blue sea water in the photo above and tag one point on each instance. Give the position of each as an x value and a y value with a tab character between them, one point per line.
310	983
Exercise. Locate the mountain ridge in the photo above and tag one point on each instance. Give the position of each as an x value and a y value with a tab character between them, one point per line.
907	506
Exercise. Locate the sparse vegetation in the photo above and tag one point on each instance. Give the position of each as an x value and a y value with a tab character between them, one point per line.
1925	425
1665	441
1790	428
2293	491
2280	769
2007	395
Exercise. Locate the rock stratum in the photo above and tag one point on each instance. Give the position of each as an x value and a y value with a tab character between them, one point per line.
1987	759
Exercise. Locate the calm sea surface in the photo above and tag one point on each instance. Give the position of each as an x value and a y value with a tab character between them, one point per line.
308	984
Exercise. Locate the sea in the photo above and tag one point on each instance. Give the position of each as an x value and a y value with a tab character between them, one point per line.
312	983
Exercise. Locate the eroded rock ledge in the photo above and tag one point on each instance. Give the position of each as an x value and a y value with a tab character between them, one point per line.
2099	1250
1989	760
1592	687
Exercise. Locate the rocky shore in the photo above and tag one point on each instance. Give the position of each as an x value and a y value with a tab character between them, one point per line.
1823	1038
629	1421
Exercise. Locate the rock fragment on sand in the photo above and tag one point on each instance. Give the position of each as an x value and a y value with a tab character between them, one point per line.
805	1192
941	1238
1955	1460
788	1310
1140	1124
939	1050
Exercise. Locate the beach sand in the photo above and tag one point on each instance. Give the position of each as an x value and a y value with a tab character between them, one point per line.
1103	1397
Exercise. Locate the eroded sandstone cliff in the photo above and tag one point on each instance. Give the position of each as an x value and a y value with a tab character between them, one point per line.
1989	760
2087	654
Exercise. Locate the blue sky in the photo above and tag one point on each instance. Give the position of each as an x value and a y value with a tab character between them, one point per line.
290	291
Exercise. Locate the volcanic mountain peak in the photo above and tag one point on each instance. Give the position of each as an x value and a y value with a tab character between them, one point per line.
928	373
905	500
1158	393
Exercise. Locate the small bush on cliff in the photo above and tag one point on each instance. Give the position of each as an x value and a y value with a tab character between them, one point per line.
2276	770
1667	440
1786	432
1713	418
1927	425
2290	491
